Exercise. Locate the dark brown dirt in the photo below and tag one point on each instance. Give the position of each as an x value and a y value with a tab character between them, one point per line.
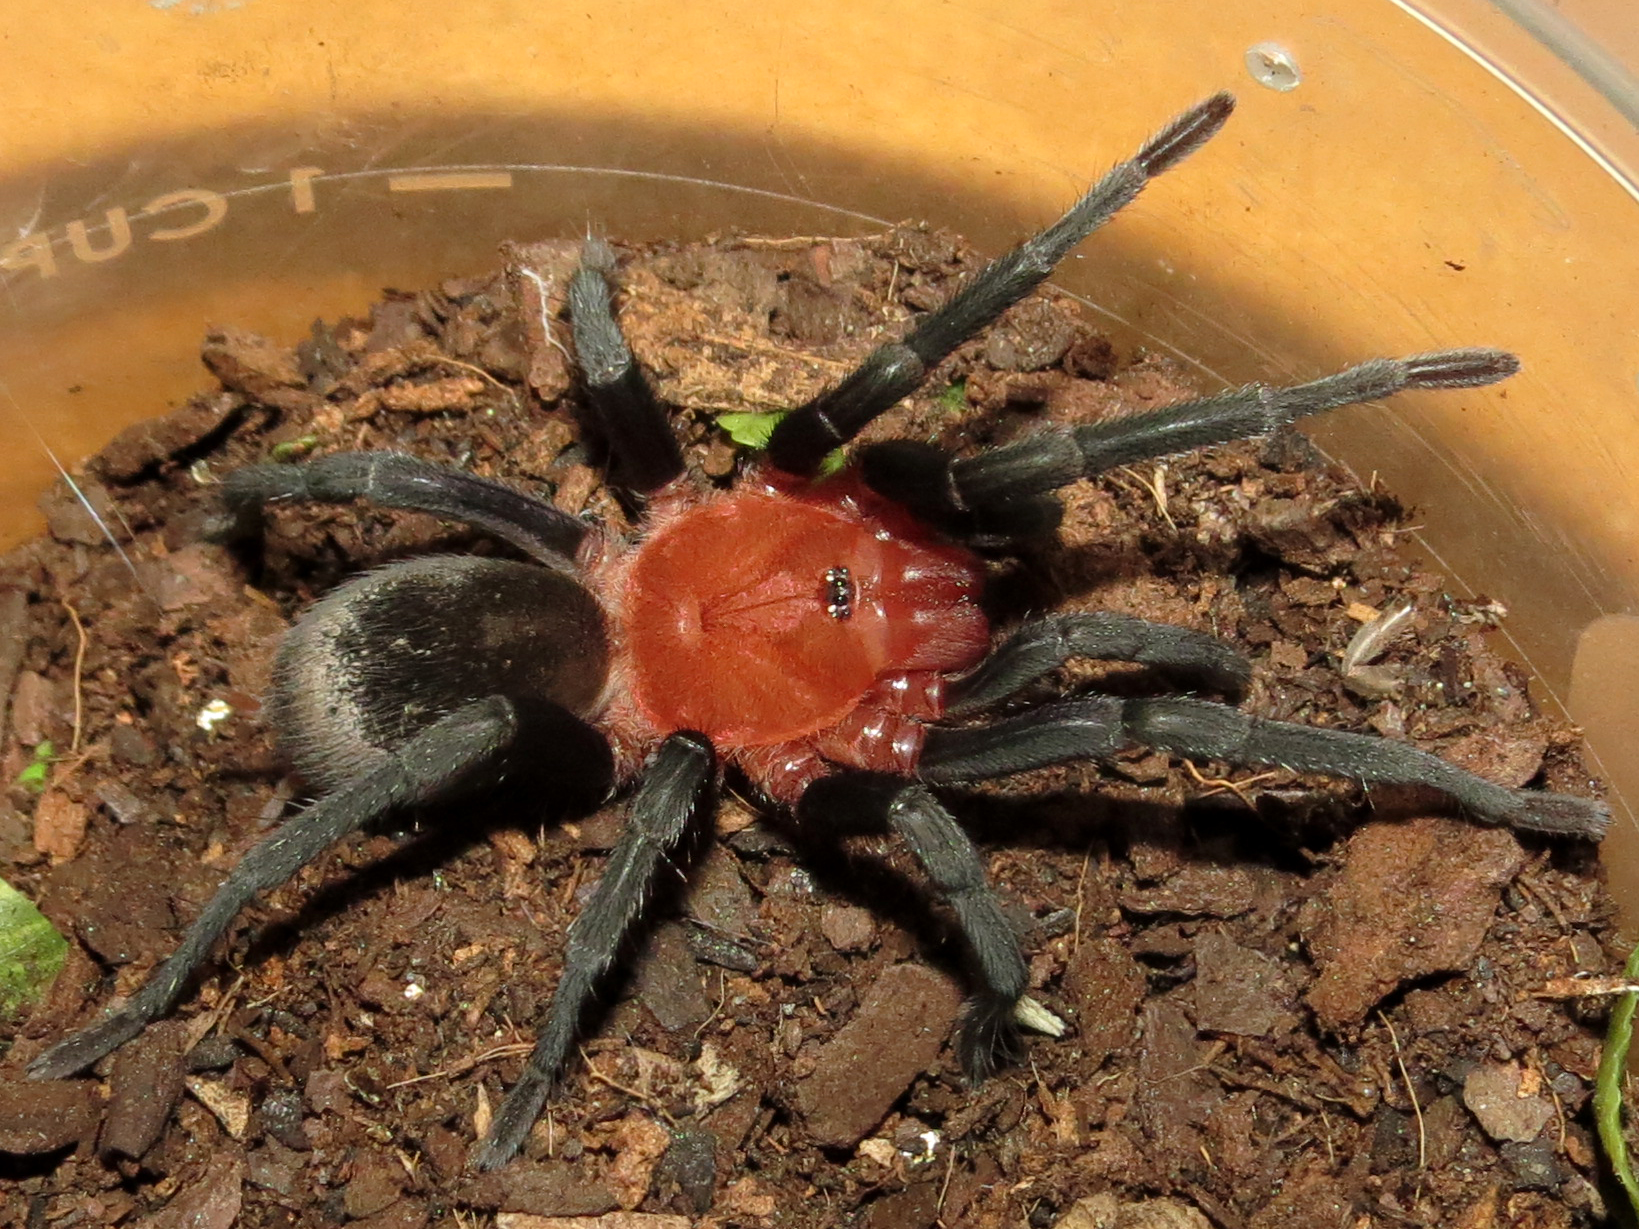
1286	1009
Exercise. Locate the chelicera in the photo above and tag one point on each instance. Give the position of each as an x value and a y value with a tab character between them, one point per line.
825	636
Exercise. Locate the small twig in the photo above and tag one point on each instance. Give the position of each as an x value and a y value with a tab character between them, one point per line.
1081	882
201	1026
65	770
79	665
796	242
1220	784
1155	486
1559	1105
1586	987
543	287
1127	478
237	1030
1411	1092
1213	1052
722	999
512	393
746	346
641	1098
1257	1083
572	885
944	1186
1527	885
467	1064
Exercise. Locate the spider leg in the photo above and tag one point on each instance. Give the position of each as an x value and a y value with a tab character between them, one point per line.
895	370
646	455
673	785
1097	727
395	480
1046	644
998	495
950	859
947	854
427	768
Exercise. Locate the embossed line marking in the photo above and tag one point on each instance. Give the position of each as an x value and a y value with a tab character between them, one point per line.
448	181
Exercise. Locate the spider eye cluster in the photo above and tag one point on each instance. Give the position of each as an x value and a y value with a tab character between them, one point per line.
839	593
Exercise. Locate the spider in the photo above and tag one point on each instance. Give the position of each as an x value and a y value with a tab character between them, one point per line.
818	633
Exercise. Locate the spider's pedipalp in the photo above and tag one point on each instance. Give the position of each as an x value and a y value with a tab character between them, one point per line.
1097	727
395	480
1043	645
632	423
423	770
674	784
961	494
895	370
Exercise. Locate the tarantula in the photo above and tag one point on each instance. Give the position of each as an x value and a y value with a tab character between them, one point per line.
814	632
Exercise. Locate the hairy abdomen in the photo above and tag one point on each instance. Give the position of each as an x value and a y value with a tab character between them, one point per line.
390	652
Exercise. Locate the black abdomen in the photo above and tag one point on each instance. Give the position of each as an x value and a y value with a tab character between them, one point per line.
393	650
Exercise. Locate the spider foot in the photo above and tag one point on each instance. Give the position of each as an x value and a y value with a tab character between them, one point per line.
85	1047
1469	368
1559	814
513	1123
1186	134
988	1038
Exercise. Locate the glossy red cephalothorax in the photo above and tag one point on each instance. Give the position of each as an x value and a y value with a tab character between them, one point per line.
794	623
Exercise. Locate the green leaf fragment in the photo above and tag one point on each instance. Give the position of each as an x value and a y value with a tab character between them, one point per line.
1607	1086
753	429
31	951
954	396
290	450
34	776
750	430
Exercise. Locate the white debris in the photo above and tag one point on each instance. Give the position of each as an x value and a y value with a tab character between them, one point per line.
1027	1013
212	715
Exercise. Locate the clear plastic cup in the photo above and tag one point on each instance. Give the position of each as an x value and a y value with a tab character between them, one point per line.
1398	177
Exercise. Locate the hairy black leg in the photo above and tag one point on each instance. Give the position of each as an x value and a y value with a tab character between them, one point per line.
428	767
1046	644
1097	727
673	785
395	480
953	864
646	455
998	495
867	801
893	371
